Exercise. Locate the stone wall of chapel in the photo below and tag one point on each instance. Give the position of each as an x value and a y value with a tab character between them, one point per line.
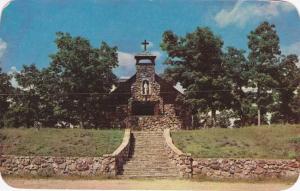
169	110
146	72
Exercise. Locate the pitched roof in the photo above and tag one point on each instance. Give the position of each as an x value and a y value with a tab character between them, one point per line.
123	91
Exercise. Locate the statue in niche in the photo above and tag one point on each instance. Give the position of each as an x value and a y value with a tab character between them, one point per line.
146	87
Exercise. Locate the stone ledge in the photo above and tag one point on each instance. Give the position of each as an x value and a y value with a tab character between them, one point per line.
183	161
169	142
125	143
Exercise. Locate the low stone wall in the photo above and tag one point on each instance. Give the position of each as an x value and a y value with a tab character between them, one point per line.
245	168
107	165
155	123
229	168
182	161
58	166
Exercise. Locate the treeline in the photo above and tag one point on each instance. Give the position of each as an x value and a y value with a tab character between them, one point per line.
252	87
72	91
258	87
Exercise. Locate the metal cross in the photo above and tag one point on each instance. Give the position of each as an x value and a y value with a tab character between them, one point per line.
145	43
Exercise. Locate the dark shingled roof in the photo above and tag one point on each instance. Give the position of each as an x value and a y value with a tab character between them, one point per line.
122	93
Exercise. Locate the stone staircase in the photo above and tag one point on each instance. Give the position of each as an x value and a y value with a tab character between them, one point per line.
148	157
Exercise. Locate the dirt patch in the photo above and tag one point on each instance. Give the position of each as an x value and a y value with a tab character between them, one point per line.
144	184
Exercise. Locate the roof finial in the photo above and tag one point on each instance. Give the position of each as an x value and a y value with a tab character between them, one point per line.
145	43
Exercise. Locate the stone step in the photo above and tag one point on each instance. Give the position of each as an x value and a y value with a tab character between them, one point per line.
146	145
150	134
146	155
154	145
151	152
150	141
152	162
154	142
149	158
147	176
154	150
148	163
148	150
147	135
149	169
150	172
146	167
148	138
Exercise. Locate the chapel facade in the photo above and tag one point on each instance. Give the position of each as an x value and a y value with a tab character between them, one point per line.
145	101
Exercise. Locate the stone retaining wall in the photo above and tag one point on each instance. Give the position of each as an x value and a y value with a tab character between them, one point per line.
155	123
182	161
230	168
58	166
245	168
106	165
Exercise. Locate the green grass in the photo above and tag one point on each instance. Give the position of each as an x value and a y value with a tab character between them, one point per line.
59	142
270	142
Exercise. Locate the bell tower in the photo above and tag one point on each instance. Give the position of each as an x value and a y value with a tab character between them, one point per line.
145	90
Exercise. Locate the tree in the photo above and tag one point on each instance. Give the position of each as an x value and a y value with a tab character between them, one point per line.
24	110
84	78
5	90
237	72
195	61
288	79
263	57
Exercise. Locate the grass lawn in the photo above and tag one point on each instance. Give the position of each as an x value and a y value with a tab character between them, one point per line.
275	142
59	142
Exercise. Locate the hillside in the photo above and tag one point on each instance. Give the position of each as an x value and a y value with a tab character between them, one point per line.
59	142
276	141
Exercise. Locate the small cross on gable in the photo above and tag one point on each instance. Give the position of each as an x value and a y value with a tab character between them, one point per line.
145	43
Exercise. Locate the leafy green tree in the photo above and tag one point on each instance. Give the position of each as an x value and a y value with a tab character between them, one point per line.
263	58
24	110
237	71
84	78
5	90
195	61
288	79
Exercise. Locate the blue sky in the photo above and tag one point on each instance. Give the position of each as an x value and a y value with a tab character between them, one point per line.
28	27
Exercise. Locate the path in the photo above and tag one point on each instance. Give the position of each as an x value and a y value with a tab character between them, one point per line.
145	184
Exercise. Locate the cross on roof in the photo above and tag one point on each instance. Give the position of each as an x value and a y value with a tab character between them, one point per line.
145	43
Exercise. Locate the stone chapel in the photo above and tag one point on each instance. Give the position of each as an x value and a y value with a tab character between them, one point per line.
145	101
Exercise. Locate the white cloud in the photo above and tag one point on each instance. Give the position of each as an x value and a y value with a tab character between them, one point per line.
126	60
245	11
3	5
3	47
292	49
